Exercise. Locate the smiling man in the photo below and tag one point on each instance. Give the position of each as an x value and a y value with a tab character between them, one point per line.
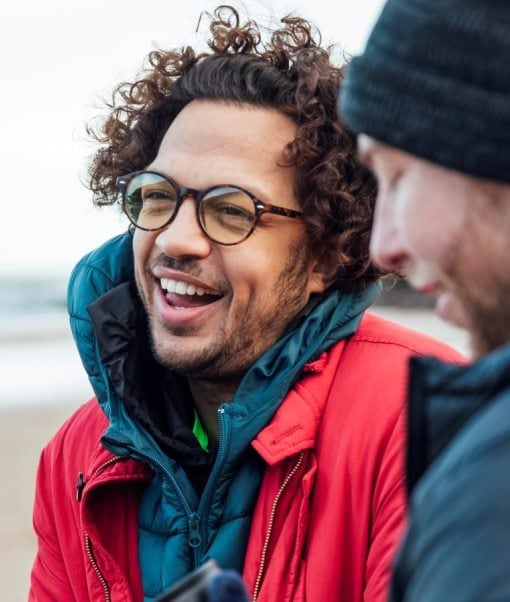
247	410
213	308
430	98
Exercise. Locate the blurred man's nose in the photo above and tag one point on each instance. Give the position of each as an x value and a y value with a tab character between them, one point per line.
184	236
386	247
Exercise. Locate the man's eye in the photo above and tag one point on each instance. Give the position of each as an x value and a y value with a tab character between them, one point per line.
232	210
228	213
156	195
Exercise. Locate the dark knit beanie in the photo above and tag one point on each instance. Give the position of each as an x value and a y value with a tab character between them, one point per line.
434	81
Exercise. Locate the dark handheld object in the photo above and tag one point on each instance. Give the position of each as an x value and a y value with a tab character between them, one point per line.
206	584
226	586
192	587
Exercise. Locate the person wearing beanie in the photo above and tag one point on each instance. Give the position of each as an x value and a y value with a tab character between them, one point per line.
430	101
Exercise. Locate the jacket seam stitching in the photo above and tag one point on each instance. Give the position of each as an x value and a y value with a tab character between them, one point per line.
368	339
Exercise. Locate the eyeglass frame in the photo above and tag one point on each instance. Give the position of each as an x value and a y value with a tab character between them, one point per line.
184	192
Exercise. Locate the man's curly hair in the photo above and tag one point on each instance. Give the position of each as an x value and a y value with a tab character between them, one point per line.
290	73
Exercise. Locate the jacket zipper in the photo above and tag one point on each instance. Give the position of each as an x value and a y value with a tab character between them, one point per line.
80	485
196	529
88	542
204	502
263	555
100	576
106	464
194	538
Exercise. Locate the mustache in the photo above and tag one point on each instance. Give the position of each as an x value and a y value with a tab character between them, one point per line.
182	264
187	265
192	267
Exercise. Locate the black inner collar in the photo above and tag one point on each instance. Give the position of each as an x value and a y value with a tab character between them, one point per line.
157	398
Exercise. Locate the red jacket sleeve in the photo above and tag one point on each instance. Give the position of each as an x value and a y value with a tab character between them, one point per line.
49	579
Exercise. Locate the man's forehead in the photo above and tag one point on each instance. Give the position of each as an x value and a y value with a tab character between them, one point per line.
226	133
222	123
365	145
212	142
368	147
371	150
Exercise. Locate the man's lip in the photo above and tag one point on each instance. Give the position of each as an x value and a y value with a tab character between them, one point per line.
159	273
175	315
428	290
425	288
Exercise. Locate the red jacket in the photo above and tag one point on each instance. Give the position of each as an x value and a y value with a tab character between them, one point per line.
331	505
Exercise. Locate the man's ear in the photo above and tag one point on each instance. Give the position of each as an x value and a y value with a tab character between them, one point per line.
322	274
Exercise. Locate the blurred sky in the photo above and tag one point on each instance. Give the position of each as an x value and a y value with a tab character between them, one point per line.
58	59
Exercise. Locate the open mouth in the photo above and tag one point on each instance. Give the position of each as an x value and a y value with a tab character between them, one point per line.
182	294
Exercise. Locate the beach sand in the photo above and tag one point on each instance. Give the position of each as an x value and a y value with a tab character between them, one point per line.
23	433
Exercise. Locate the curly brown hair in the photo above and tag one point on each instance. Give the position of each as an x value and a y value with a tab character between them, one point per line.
291	73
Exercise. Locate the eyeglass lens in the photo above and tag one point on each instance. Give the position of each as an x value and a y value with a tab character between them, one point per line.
227	214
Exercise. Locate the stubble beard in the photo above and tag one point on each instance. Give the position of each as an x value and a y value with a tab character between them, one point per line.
485	292
487	308
254	330
490	323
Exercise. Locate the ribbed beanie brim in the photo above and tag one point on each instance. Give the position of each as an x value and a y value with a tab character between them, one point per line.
434	81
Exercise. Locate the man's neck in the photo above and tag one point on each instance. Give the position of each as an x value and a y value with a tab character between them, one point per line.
208	397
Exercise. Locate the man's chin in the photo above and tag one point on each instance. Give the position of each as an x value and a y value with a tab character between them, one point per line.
449	309
197	364
185	363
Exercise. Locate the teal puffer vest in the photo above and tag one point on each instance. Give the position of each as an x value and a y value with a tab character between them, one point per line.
178	529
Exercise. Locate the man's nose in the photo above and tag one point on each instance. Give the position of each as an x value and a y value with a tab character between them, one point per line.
184	236
386	246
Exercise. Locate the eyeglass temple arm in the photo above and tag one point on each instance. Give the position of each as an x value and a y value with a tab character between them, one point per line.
283	211
121	182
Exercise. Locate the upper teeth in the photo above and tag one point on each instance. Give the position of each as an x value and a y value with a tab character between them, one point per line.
182	288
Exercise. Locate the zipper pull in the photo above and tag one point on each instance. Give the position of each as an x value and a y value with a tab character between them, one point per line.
80	484
194	539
